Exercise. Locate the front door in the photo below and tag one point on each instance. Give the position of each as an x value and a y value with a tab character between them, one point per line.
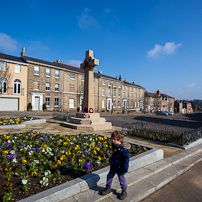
37	103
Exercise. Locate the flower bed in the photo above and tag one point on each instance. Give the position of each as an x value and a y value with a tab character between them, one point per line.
32	162
15	120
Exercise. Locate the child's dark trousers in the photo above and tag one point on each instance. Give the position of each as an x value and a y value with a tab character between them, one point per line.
121	180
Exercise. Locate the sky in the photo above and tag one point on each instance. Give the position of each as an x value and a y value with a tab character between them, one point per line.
156	43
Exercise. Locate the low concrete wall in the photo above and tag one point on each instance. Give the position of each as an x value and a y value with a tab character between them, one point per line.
23	124
93	179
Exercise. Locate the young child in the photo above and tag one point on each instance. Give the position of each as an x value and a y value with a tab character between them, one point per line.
119	163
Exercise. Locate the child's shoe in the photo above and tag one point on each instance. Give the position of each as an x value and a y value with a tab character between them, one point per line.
123	195
106	191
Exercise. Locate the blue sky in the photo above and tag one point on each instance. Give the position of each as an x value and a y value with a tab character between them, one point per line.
156	43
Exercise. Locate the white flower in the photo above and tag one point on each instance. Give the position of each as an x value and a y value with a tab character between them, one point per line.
14	160
98	162
30	153
43	150
47	172
36	161
9	141
12	151
60	140
13	141
24	181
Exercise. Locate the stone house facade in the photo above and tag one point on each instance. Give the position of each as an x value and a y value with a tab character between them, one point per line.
13	83
158	102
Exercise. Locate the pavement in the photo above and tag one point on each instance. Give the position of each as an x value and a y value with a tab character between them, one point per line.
142	182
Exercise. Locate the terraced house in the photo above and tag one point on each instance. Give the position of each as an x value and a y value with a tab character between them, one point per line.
60	87
13	83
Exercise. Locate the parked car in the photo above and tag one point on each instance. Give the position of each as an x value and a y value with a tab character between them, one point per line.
162	113
169	113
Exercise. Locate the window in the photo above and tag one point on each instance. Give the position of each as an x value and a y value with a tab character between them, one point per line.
56	102
131	89
124	88
17	86
138	104
83	78
109	92
135	96
71	88
124	94
17	68
36	70
127	104
114	104
109	83
3	66
57	87
135	104
119	85
114	94
128	95
131	104
48	72
36	85
82	89
71	103
47	86
103	103
119	104
138	96
3	85
57	73
103	82
47	102
139	90
119	93
114	84
72	76
128	88
103	92
132	95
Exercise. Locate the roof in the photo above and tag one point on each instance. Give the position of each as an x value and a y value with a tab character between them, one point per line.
11	58
155	95
127	83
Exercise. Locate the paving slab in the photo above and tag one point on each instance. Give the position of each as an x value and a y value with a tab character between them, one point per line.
135	192
160	179
158	166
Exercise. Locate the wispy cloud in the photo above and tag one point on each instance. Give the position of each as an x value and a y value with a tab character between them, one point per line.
107	10
167	49
74	62
7	43
191	85
37	45
85	20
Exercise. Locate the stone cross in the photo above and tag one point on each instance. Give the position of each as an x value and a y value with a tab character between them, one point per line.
88	65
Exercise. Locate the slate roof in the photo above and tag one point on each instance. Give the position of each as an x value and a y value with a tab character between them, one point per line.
127	83
11	58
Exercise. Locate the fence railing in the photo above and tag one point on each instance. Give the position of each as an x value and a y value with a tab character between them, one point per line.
144	130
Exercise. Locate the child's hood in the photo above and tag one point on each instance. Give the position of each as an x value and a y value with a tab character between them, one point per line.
126	145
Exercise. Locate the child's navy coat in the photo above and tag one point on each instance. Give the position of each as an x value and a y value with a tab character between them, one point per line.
120	158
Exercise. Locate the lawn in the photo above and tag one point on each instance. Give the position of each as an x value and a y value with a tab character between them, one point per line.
31	162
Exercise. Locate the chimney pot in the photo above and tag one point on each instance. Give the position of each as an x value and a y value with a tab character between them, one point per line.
23	53
99	72
58	60
133	82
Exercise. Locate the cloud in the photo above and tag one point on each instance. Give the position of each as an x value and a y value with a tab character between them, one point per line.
191	85
167	49
7	43
107	10
85	20
37	45
74	62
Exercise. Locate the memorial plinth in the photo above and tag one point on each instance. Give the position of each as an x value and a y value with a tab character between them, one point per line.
88	120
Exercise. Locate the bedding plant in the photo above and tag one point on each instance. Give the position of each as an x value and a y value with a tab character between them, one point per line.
15	120
31	162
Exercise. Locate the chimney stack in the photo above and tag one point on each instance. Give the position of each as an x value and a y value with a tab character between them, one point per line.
99	72
158	92
120	78
133	82
58	60
23	52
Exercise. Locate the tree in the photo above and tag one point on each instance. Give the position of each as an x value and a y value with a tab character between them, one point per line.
193	105
5	74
